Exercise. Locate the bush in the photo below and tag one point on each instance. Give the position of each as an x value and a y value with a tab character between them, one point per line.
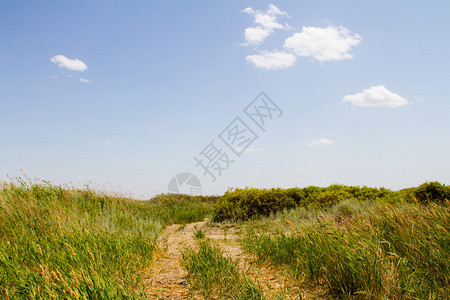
432	191
242	204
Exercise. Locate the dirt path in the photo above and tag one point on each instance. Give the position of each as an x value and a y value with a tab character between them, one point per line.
167	278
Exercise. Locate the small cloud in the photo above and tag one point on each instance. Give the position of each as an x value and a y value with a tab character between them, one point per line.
109	144
266	23
55	76
323	44
376	96
248	10
71	64
273	10
320	142
85	80
421	99
272	60
288	27
255	35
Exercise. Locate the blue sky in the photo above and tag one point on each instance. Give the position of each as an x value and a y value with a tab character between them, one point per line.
123	95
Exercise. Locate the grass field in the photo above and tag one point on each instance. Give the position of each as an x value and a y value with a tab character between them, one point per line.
58	243
349	242
374	250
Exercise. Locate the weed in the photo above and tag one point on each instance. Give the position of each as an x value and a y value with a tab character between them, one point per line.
215	275
199	234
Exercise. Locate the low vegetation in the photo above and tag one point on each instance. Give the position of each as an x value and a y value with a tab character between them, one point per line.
250	203
71	243
370	250
354	242
214	274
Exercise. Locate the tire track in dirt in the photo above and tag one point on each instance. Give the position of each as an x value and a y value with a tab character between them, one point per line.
167	279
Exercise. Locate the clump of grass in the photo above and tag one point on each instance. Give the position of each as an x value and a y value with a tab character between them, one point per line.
199	233
363	250
215	275
181	208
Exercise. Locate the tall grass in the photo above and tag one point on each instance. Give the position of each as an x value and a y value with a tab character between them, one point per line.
180	208
71	243
362	250
217	276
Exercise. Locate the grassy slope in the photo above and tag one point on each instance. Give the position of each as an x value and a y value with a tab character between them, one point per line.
361	249
58	242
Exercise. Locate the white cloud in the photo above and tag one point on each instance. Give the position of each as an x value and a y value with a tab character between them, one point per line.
85	80
248	10
376	96
273	10
255	35
71	64
323	44
272	60
421	99
320	142
266	23
109	144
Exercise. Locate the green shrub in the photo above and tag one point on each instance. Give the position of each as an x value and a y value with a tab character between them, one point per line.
241	204
432	191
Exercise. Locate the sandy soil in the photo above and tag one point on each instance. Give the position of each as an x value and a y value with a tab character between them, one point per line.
168	280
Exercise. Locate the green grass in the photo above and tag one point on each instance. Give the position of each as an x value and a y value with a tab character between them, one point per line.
213	274
199	233
361	249
70	243
356	242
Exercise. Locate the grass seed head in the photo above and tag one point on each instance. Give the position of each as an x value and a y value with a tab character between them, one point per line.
39	249
70	249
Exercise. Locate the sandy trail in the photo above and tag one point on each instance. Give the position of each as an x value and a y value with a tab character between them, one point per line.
168	279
